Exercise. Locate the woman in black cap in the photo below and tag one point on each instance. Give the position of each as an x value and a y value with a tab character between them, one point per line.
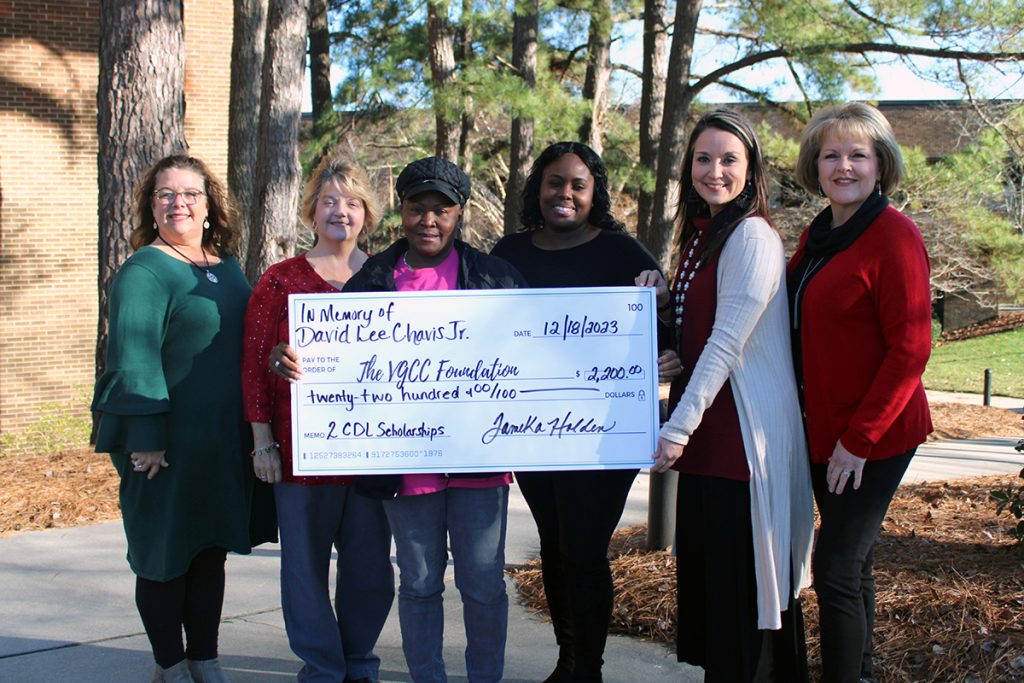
426	510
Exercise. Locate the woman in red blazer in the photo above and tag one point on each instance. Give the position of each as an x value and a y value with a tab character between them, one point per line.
860	306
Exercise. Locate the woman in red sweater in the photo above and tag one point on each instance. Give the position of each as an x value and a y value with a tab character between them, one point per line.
316	514
860	306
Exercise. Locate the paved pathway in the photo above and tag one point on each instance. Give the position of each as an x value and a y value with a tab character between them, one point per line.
67	612
1006	402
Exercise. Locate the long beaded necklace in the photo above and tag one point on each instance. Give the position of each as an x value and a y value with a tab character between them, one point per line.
209	276
685	276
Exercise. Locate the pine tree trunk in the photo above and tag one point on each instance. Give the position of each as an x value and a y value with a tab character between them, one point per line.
652	109
599	72
319	62
278	175
141	118
678	98
249	34
524	59
467	128
442	71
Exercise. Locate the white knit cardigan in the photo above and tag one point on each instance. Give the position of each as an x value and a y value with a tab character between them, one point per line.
750	346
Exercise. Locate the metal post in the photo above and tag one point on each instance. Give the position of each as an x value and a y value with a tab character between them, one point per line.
661	510
987	399
661	503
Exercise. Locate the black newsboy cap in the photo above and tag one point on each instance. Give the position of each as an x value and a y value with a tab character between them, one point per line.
433	173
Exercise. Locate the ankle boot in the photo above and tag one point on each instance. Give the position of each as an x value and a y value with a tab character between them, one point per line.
207	671
176	674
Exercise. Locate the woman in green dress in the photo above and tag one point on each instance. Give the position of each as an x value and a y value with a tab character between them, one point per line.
171	413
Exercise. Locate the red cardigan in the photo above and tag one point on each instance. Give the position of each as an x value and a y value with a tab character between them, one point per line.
866	337
265	396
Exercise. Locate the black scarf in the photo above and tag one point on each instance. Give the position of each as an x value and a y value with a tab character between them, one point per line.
720	226
824	242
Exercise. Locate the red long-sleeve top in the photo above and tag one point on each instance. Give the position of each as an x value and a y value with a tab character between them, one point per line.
865	332
266	397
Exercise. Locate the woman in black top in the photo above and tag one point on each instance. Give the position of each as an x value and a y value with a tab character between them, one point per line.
570	239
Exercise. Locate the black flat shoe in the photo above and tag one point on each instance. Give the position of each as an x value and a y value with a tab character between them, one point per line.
559	675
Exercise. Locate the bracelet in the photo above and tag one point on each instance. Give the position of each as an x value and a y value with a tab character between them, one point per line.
264	449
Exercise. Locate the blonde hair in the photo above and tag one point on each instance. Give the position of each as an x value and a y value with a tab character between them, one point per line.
851	120
338	169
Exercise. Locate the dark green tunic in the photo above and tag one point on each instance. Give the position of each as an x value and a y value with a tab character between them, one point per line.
173	382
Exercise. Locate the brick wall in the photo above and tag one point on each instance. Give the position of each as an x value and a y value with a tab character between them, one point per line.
208	81
48	203
48	63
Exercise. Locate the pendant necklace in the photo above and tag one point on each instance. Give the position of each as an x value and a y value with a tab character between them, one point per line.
209	276
685	276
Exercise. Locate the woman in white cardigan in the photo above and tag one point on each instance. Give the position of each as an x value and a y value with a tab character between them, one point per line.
744	519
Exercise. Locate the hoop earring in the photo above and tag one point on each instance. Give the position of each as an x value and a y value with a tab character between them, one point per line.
746	194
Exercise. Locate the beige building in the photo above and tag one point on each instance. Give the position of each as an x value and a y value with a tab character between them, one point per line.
48	189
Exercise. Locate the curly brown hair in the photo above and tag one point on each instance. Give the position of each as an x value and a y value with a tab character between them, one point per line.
224	233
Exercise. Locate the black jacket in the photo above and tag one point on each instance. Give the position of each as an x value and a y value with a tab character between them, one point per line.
477	270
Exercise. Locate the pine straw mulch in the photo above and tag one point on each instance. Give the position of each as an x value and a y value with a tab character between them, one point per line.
966	421
1001	323
950	603
46	492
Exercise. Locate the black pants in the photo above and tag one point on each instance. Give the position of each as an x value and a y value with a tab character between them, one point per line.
842	565
192	601
576	513
717	588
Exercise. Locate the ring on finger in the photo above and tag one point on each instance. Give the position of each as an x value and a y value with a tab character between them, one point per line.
277	363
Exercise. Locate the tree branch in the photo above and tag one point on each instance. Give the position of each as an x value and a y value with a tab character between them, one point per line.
800	85
875	20
784	53
570	56
629	70
761	98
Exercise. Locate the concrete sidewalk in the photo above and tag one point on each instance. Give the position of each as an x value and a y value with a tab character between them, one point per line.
1005	402
68	614
68	611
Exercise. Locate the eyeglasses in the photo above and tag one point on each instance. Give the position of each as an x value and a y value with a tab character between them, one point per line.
166	197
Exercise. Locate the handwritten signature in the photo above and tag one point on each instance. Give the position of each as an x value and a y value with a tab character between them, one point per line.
563	425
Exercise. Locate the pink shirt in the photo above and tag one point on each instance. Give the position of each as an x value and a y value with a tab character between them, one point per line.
442	277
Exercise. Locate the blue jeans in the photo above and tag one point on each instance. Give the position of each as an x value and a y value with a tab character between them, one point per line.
334	643
475	521
842	565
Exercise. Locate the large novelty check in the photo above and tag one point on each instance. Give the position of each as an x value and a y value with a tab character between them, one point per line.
474	381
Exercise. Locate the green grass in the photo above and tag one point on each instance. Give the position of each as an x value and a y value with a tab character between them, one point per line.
960	365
